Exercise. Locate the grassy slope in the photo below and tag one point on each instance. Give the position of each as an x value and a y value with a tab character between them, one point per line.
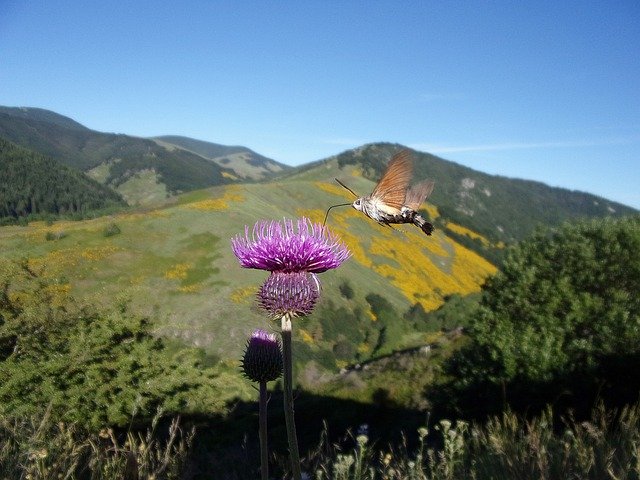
245	162
176	262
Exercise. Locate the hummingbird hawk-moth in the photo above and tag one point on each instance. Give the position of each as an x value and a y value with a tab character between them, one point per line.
392	200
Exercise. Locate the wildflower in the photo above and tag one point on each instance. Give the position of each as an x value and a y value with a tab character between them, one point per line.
38	454
262	359
362	440
294	254
445	424
281	247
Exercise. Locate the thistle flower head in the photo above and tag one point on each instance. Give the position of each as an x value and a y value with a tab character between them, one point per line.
294	293
302	246
262	359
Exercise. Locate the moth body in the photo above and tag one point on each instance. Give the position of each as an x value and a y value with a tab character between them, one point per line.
392	201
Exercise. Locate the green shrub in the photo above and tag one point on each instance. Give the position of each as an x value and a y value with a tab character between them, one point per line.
346	290
56	235
96	368
560	322
111	230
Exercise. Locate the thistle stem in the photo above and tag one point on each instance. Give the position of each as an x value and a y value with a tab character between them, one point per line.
264	455
288	398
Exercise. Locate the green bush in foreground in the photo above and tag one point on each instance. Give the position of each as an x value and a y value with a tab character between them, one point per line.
560	322
94	368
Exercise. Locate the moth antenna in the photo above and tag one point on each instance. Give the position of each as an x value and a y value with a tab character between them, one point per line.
328	209
352	192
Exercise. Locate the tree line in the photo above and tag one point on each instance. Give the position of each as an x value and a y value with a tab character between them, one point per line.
33	185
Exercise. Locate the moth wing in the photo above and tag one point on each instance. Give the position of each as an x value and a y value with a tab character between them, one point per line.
392	187
418	193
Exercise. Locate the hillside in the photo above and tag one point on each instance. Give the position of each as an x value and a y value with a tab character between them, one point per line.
42	115
140	169
500	209
34	185
246	163
176	264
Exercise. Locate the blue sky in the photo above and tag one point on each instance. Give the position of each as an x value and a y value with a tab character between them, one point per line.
548	91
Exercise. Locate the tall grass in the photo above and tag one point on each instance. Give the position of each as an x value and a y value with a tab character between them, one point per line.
506	447
39	448
607	446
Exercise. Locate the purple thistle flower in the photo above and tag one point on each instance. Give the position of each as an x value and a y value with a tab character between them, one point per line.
294	293
262	359
281	247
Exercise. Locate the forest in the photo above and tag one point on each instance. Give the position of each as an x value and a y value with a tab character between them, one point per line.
33	186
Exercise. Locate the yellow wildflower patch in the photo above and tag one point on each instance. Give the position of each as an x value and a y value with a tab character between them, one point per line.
459	229
306	336
98	253
470	269
139	216
229	175
231	194
433	337
178	272
339	225
239	295
54	261
333	189
414	273
364	348
59	293
433	211
194	287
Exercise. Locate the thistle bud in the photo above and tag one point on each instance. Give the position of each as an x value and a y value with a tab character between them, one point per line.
262	359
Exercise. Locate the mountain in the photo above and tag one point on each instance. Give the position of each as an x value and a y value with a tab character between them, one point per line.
140	169
32	185
498	208
42	115
245	162
144	171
